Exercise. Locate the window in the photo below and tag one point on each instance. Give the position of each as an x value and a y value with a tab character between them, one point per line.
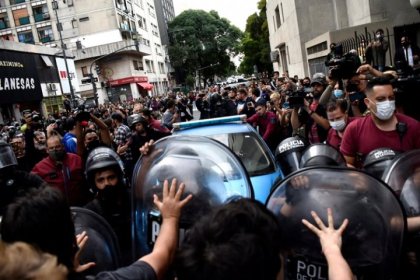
317	48
146	42
83	19
85	71
277	11
45	35
69	3
282	15
161	68
138	65
26	37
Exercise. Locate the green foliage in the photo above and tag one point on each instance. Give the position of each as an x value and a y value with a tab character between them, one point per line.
201	40
255	44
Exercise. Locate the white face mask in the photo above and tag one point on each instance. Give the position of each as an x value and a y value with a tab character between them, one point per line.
338	125
385	109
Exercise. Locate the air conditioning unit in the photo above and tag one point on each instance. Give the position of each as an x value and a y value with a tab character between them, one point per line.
52	87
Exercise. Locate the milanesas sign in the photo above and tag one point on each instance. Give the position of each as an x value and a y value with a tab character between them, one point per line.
18	78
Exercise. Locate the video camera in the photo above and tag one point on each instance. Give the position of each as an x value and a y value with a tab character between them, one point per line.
343	66
82	114
297	98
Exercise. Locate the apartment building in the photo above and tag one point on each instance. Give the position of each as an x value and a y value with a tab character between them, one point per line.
119	38
301	31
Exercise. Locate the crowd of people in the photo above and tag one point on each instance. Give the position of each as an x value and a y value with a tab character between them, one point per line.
86	156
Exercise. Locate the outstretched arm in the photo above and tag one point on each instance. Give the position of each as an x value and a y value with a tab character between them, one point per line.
170	208
330	239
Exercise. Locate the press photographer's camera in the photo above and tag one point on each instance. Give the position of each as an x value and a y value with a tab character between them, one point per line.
343	66
82	114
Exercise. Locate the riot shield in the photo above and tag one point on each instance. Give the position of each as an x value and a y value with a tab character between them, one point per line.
102	246
373	239
289	152
211	173
403	176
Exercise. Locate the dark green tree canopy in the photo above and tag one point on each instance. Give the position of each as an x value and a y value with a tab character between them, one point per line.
255	44
203	40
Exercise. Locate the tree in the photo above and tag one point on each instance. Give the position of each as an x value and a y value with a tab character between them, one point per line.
202	44
255	44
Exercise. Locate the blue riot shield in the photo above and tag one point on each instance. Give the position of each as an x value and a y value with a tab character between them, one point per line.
211	173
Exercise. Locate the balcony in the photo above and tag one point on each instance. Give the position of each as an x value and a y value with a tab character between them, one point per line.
41	17
24	20
122	47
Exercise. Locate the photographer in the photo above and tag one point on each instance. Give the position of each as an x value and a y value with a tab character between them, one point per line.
317	125
376	51
245	104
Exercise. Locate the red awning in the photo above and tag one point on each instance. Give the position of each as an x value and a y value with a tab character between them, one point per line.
146	86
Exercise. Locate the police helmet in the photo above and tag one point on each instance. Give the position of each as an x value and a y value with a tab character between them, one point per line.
321	155
289	153
137	118
378	160
101	158
7	156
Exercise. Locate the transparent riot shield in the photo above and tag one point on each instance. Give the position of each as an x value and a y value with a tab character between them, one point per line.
403	176
102	246
373	239
210	171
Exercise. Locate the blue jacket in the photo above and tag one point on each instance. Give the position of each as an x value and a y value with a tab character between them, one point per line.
70	143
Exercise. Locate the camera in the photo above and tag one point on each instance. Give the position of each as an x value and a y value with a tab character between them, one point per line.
343	66
82	114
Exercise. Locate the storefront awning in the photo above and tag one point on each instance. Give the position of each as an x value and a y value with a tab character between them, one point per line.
145	86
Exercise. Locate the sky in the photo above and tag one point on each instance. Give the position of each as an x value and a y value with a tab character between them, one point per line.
237	11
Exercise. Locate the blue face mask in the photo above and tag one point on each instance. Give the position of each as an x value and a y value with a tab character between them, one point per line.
338	93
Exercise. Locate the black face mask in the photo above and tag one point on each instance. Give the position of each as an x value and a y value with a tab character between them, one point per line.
93	144
111	195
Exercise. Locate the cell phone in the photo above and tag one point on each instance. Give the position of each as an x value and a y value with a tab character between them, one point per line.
286	105
250	104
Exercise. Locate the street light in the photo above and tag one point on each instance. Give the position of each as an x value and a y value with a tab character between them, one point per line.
136	39
59	28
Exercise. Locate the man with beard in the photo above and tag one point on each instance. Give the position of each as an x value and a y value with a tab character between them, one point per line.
18	144
63	171
317	125
382	128
106	177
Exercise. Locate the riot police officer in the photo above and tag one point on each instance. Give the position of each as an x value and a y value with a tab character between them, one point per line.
105	175
14	182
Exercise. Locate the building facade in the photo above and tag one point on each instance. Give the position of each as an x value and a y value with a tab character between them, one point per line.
92	30
301	31
32	77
